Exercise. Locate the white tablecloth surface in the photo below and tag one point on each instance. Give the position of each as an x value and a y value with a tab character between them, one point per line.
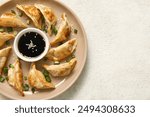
118	63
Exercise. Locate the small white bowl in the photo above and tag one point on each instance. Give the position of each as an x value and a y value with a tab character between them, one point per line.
31	59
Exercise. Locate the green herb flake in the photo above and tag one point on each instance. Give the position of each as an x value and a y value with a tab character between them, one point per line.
70	58
2	30
13	11
9	29
25	77
7	42
75	31
46	75
43	19
54	30
11	66
26	87
2	79
5	70
33	90
44	28
48	79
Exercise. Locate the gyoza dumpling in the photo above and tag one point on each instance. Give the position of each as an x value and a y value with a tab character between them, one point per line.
49	15
5	37
33	13
9	19
62	69
37	80
63	32
62	51
15	77
4	53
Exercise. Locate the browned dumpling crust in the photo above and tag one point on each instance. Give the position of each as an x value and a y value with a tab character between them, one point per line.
4	53
33	13
63	32
63	69
15	76
5	37
49	16
9	19
37	80
61	52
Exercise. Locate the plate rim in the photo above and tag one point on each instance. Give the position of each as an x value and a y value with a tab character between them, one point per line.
83	63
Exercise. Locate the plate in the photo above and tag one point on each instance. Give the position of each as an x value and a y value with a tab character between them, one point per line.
62	84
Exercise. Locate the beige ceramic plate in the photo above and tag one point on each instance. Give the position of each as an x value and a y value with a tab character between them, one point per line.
62	84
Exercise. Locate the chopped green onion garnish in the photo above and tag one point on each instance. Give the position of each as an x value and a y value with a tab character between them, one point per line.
44	28
43	19
13	11
2	79
54	30
48	79
75	31
25	77
2	30
5	70
69	58
26	87
11	66
7	42
33	90
46	74
9	29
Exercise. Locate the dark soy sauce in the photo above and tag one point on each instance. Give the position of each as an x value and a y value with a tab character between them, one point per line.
31	44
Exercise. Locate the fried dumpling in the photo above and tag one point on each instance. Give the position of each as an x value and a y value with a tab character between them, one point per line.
37	80
15	77
49	16
33	13
9	19
63	32
4	53
5	37
62	69
62	51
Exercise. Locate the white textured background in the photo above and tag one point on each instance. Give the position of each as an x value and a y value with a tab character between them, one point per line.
118	64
